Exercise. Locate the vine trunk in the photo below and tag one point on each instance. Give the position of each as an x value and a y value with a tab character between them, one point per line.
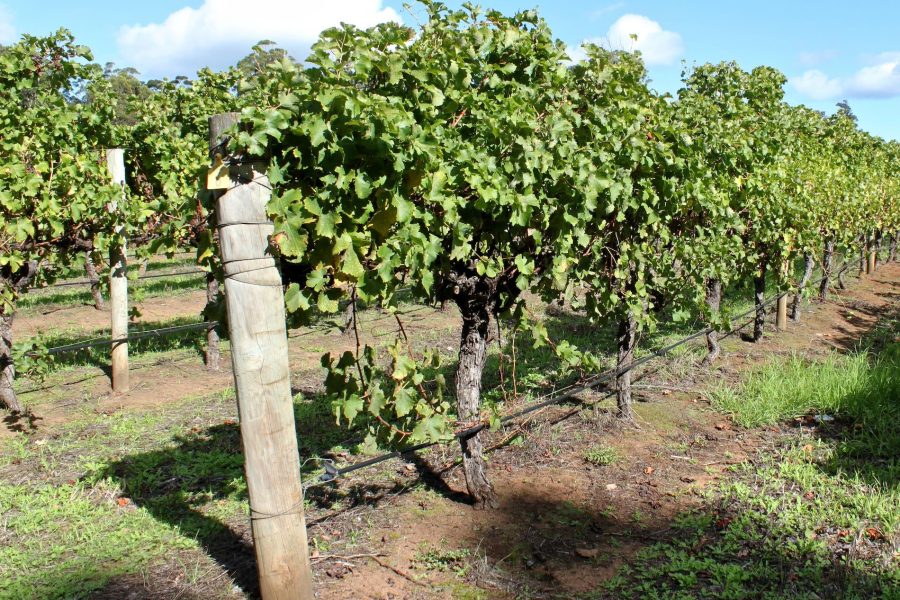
713	301
8	397
91	272
759	296
627	340
827	259
472	356
808	264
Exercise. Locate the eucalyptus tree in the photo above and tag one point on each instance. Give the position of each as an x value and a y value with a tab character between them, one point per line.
54	183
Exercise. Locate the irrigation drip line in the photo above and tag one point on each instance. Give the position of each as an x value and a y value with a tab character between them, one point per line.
331	473
138	335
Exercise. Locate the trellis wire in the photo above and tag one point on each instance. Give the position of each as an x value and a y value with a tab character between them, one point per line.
332	473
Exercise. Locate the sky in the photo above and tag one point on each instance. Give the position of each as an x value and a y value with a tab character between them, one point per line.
829	50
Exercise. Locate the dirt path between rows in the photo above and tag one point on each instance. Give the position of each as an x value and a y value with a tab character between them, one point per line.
563	525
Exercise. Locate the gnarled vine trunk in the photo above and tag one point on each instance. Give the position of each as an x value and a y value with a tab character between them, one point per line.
212	334
472	356
626	342
877	247
17	282
348	324
827	259
808	264
863	248
713	301
759	295
142	267
8	397
892	248
94	278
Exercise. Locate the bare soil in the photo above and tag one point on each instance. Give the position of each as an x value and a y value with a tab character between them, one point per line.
563	525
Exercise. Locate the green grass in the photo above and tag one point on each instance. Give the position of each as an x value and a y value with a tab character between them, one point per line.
784	528
62	541
66	527
818	516
781	390
48	298
437	559
859	391
99	356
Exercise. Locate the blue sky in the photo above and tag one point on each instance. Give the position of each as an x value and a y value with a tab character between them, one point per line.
830	50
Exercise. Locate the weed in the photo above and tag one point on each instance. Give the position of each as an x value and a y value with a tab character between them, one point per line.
433	559
782	390
601	455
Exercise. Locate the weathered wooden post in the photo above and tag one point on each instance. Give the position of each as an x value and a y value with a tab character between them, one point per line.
118	278
781	318
254	301
873	254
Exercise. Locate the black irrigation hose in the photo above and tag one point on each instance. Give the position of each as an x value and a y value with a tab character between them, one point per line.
139	335
332	473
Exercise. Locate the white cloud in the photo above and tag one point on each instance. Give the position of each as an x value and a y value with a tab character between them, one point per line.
817	85
657	46
7	31
881	79
220	32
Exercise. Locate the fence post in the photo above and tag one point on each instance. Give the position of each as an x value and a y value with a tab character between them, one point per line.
254	301
781	317
873	253
118	278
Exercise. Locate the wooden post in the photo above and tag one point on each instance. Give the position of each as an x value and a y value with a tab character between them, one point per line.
118	279
781	319
254	301
873	253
